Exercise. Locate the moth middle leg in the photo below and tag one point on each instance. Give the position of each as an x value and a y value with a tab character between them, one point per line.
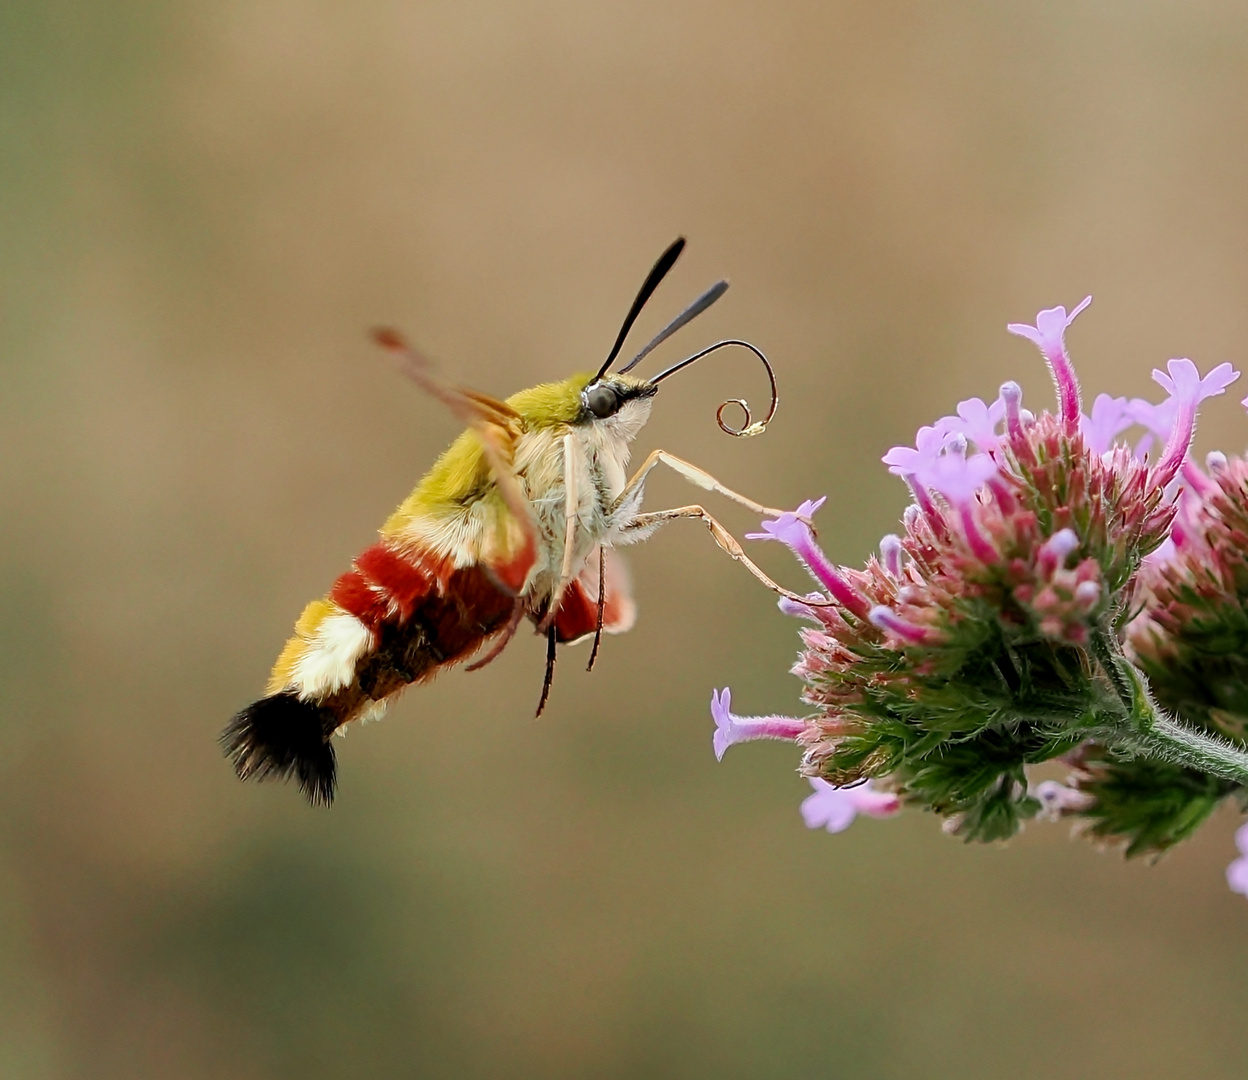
648	522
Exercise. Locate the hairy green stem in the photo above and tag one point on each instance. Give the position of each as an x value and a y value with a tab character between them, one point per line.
1148	731
1109	655
1180	745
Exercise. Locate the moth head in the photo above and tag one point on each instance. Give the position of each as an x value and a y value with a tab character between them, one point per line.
622	401
618	404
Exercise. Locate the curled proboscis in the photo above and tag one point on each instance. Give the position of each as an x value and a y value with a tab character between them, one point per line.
751	427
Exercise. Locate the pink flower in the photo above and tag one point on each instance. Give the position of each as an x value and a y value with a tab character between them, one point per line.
956	476
1056	550
1237	872
1110	417
834	808
1012	399
792	530
1158	418
1056	799
798	610
928	443
731	729
890	553
977	422
1187	390
1049	335
886	619
1186	531
1185	384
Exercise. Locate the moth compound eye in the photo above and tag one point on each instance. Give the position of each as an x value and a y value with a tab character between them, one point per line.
602	400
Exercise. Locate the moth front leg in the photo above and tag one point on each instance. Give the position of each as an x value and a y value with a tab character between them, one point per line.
571	515
632	493
645	524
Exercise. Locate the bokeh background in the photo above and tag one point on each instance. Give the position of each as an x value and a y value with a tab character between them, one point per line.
203	207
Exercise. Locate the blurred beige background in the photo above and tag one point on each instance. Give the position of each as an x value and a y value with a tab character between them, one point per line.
202	209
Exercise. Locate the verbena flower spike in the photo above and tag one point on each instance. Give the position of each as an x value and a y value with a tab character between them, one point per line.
1054	593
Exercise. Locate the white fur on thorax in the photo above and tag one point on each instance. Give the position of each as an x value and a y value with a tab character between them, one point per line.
604	447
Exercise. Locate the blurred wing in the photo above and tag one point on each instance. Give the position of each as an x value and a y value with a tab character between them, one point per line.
499	533
578	612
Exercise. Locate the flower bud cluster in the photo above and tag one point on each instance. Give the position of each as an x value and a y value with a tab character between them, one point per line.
1191	636
987	636
1190	639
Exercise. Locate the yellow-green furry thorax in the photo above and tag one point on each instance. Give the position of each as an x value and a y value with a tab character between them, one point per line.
461	474
462	471
551	404
458	475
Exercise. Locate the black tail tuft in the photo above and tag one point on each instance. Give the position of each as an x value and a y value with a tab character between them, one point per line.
282	735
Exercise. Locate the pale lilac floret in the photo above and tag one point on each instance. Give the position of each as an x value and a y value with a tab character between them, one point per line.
959	478
1057	549
1185	530
1088	594
1001	492
1049	336
1110	417
1237	872
890	554
834	808
1055	798
731	729
1196	480
977	422
792	530
1166	552
908	460
956	477
1182	380
1187	390
1157	417
797	609
1012	399
886	619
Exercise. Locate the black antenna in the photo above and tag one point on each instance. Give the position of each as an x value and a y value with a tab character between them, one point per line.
688	315
657	273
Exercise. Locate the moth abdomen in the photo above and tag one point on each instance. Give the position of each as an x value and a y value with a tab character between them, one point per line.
429	627
281	736
444	628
